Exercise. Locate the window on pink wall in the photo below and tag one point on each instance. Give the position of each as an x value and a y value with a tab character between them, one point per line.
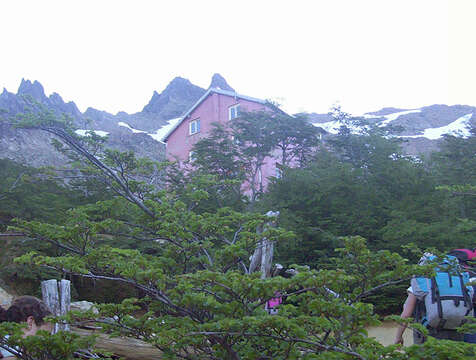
194	126
233	111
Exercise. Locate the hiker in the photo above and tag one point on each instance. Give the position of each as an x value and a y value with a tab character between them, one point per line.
440	303
29	310
465	256
408	310
272	304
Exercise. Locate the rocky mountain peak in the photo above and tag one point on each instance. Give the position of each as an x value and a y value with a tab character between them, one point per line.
178	82
219	81
56	98
35	90
179	94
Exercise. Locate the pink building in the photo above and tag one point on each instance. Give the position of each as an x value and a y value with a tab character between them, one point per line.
215	106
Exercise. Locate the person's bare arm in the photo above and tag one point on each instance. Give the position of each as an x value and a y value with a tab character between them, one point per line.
407	312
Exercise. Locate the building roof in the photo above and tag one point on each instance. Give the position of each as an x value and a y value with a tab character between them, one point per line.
210	91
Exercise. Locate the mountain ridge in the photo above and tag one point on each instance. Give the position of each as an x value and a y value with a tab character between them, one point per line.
140	131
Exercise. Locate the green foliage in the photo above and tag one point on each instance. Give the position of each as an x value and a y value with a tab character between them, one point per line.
455	163
390	199
217	173
234	155
220	310
43	346
455	167
32	193
188	257
296	139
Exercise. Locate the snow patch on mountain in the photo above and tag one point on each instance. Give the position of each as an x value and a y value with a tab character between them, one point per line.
394	116
333	126
82	132
135	131
459	127
160	133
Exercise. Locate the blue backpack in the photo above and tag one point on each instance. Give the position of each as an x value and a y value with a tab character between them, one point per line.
446	297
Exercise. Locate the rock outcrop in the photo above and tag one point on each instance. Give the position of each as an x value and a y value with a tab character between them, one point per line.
5	298
219	82
179	92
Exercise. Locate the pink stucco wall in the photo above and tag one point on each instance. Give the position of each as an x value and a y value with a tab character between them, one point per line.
213	109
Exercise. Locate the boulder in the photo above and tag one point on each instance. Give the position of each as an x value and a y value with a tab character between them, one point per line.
83	306
5	298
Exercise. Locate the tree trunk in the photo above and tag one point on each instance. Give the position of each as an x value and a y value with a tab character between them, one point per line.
58	299
263	254
127	348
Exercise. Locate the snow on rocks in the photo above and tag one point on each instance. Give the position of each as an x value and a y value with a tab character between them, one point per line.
333	127
135	131
160	133
394	116
459	127
82	132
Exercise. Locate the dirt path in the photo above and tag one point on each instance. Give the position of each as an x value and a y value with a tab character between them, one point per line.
385	333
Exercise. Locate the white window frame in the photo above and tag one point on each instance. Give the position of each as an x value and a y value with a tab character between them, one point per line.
191	156
194	127
235	140
235	107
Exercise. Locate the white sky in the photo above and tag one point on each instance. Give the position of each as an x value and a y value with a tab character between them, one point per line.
308	55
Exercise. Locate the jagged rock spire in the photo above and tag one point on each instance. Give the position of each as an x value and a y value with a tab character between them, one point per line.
179	94
35	90
219	81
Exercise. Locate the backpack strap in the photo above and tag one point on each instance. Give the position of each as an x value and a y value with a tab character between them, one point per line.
420	311
467	300
436	298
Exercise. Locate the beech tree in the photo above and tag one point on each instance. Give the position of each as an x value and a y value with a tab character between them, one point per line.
295	138
238	152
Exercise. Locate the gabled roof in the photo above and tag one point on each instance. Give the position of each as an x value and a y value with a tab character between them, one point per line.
210	91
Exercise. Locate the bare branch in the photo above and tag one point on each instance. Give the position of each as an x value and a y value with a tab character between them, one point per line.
75	145
12	186
388	283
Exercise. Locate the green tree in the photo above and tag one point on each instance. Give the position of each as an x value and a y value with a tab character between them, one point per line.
295	138
253	133
217	157
455	169
236	154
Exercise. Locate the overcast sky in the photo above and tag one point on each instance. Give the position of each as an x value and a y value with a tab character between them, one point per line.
307	55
